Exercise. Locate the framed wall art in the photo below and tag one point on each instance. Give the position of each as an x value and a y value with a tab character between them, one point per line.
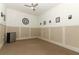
40	23
70	17
44	22
2	15
57	19
49	21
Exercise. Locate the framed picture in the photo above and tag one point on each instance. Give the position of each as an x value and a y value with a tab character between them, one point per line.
44	22
40	23
70	17
49	21
2	15
57	19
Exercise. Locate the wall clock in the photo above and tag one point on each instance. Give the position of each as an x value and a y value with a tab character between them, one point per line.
25	21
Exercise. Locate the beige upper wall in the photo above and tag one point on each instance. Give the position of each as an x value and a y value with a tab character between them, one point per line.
14	18
62	11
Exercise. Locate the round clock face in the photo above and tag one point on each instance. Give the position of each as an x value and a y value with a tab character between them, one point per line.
25	21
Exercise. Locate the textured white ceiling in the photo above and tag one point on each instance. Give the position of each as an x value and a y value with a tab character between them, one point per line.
41	8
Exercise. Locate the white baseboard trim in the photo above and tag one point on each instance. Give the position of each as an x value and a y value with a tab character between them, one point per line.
23	38
65	46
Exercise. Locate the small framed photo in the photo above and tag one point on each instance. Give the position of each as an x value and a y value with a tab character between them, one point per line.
49	21
44	22
70	17
40	23
57	19
2	14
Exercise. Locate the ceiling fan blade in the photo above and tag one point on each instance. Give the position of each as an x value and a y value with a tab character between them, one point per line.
35	5
32	4
27	6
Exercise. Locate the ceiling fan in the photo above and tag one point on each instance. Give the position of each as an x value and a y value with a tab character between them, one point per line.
32	6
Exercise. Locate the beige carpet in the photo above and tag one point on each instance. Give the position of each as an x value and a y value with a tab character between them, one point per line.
34	47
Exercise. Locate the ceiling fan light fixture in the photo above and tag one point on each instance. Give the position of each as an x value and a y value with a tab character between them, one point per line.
32	6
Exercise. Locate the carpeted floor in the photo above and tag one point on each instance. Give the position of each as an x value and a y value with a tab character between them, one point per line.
34	47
